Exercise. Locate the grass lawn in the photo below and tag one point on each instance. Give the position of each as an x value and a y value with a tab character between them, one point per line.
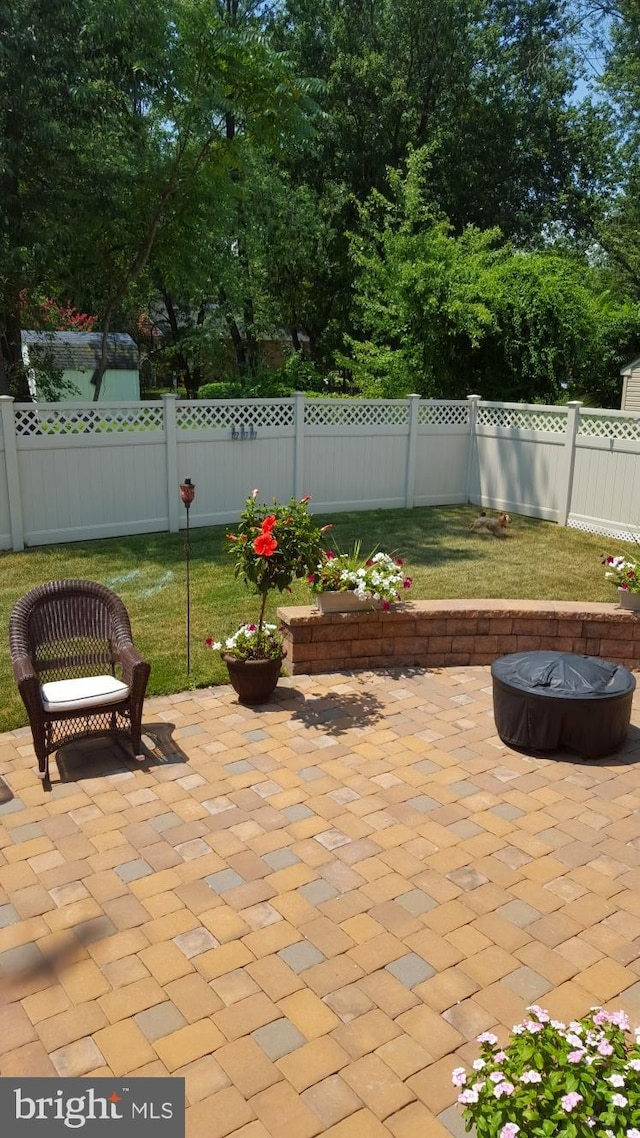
537	560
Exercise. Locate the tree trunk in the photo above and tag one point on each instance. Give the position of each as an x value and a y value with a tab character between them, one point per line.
13	376
236	336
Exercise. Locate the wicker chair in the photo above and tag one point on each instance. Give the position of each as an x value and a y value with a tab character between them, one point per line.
68	639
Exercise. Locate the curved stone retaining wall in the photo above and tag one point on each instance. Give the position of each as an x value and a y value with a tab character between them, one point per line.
439	633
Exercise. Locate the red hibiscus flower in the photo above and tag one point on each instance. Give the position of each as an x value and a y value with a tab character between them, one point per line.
265	545
268	523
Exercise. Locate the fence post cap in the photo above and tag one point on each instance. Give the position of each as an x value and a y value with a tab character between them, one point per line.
474	397
7	398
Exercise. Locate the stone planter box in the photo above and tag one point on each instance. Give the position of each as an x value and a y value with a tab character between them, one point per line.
344	601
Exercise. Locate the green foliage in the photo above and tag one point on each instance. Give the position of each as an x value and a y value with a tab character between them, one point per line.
274	544
444	314
578	1081
378	576
250	642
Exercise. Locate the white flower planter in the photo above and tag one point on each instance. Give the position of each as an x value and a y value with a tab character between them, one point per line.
629	600
345	601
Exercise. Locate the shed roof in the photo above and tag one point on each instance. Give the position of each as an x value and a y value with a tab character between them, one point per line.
80	351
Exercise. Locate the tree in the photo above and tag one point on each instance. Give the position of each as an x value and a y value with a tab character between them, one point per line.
136	106
445	314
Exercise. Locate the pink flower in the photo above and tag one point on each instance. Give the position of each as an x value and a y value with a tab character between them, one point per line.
605	1048
619	1100
385	606
510	1130
621	1020
459	1077
329	554
467	1097
531	1077
575	1056
540	1012
209	641
487	1037
407	583
500	1056
568	1102
505	1089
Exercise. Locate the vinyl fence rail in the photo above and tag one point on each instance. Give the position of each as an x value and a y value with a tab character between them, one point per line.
77	471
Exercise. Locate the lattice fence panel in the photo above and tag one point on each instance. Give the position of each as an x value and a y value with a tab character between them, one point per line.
523	418
61	420
612	529
609	426
224	416
444	414
343	413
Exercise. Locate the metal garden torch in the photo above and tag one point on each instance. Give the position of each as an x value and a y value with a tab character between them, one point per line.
187	494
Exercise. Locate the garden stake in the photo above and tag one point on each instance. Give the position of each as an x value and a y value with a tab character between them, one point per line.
187	494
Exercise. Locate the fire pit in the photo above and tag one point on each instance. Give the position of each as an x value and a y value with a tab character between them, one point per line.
547	701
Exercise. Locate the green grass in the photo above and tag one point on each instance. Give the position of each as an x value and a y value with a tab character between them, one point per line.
537	560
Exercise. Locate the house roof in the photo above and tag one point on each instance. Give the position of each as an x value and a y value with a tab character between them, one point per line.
80	351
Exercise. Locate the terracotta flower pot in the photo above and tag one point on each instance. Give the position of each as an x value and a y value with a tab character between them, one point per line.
254	680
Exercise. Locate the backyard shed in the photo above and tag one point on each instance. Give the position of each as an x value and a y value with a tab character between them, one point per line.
631	386
77	356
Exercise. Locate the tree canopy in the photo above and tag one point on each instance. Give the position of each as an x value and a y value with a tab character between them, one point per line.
435	197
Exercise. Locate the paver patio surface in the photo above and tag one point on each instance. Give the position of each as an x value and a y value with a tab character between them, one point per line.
311	909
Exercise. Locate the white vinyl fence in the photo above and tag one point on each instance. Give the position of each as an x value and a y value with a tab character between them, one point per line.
75	471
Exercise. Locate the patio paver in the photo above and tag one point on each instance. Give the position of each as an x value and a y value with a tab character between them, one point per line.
310	909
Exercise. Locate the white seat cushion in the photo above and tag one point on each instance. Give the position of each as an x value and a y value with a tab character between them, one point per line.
83	693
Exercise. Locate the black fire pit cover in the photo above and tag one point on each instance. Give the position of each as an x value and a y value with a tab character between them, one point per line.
546	700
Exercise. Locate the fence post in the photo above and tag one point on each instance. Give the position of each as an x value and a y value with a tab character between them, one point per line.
472	452
299	489
13	473
412	450
171	444
568	461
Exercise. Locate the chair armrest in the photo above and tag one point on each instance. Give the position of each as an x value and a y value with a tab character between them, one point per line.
135	669
23	669
28	684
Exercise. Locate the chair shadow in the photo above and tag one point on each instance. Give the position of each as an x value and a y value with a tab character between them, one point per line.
109	755
29	964
335	713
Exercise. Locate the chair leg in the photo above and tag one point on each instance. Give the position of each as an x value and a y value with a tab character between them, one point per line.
43	764
136	742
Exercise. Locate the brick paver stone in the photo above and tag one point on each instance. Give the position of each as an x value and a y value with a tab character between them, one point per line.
310	912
